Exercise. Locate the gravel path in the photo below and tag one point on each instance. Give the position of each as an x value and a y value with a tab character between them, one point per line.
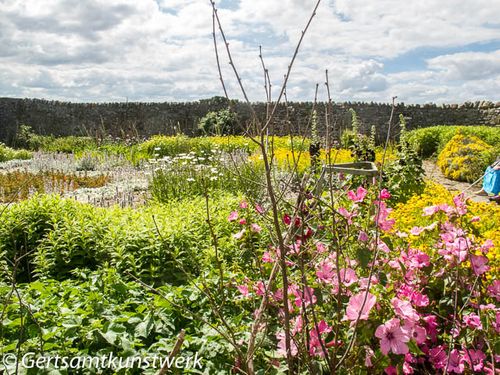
432	172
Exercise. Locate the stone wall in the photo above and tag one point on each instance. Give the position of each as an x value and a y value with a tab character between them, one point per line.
146	119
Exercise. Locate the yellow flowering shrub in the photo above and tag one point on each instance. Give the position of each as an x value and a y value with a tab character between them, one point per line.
409	215
465	157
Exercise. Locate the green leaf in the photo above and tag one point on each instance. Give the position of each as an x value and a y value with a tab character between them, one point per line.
363	255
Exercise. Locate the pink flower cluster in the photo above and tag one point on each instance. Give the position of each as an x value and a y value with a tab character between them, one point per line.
351	272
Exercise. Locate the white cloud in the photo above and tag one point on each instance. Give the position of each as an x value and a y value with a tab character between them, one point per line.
163	50
467	66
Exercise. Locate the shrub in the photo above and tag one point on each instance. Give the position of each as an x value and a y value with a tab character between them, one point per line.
464	158
70	144
7	153
404	176
431	140
362	146
159	244
24	225
219	123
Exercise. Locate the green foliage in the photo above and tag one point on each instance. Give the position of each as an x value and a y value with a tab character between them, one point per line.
70	144
465	157
101	312
7	153
219	123
60	236
26	137
362	147
404	176
429	141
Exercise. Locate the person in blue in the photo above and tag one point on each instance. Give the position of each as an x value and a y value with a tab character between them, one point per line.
491	181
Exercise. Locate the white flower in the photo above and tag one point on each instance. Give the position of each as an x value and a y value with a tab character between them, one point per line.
190	179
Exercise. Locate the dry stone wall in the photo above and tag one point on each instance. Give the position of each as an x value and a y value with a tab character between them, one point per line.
146	119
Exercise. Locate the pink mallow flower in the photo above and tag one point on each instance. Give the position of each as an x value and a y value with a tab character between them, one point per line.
255	228
474	358
305	297
416	332
486	246
287	219
455	247
415	231
407	367
240	234
431	210
455	362
315	347
325	271
494	290
354	306
259	209
384	194
357	196
473	321
431	325
320	247
260	288
347	215
438	356
267	257
392	337
243	290
381	217
461	206
478	263
282	345
369	354
405	310
362	236
233	216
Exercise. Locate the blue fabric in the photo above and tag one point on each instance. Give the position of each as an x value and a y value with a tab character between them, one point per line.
491	181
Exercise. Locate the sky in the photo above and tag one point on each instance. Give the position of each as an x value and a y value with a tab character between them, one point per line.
422	51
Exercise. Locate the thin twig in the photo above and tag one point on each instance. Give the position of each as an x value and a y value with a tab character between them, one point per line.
217	55
175	351
287	75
